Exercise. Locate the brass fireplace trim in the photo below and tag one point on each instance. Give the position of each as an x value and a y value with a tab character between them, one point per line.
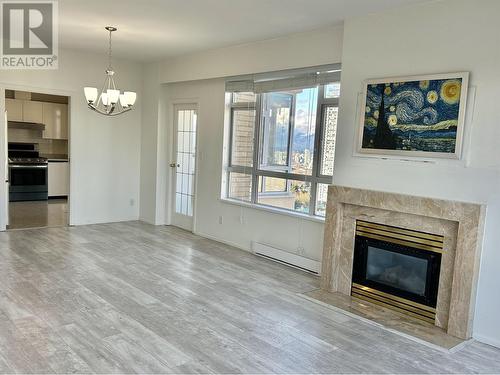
400	236
402	305
419	240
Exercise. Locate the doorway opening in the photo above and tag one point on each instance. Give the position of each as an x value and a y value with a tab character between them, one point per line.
37	154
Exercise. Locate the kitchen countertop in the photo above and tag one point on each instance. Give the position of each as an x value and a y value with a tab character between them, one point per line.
55	157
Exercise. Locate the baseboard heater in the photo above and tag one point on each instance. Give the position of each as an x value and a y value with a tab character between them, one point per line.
284	257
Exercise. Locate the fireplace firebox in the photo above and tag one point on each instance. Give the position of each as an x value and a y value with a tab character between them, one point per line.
397	268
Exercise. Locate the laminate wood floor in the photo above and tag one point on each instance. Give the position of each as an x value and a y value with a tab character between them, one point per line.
134	298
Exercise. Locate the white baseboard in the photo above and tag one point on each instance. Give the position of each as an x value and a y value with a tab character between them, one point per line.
102	221
225	242
147	221
271	253
487	340
287	258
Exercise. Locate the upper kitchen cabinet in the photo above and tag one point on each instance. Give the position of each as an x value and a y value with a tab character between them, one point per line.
39	108
55	118
24	110
32	111
14	109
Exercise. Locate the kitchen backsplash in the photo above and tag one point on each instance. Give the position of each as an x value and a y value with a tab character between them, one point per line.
45	146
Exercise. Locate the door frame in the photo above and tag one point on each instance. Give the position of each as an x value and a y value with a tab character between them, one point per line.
188	104
72	97
4	170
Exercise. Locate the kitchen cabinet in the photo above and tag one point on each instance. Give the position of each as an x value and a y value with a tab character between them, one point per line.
58	178
32	112
53	115
55	119
14	109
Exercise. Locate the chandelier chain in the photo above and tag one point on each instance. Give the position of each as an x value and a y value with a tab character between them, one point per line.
109	51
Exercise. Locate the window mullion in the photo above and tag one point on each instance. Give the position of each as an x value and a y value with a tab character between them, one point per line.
291	127
284	175
231	134
317	148
248	106
256	146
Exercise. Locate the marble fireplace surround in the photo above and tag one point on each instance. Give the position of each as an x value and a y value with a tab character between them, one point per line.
461	224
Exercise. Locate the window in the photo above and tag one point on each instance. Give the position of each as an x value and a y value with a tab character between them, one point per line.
281	147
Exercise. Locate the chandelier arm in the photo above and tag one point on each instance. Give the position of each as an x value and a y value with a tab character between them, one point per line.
102	90
107	82
119	113
94	108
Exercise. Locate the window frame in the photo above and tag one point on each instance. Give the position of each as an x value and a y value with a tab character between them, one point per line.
255	171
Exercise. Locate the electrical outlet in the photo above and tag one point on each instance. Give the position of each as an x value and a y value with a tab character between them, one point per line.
300	250
132	202
221	219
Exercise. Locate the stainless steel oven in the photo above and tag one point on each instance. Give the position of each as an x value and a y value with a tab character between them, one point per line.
28	182
28	178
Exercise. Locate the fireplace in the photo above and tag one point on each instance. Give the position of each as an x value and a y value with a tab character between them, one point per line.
452	229
397	268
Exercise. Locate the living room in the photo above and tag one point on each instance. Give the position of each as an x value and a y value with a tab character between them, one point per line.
233	219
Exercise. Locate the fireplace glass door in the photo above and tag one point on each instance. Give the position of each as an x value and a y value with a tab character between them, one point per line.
396	269
401	271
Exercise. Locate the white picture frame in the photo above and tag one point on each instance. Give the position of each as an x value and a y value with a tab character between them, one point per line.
414	154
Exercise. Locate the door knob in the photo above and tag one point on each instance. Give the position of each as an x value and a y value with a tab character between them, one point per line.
173	165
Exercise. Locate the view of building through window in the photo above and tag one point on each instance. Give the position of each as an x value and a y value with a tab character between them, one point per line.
282	147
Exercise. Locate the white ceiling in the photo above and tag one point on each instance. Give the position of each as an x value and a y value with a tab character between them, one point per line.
150	30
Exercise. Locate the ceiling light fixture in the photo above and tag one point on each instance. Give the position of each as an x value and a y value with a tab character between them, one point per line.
110	102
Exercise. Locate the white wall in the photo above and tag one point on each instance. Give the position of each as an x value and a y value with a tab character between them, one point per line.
443	36
300	50
149	143
105	151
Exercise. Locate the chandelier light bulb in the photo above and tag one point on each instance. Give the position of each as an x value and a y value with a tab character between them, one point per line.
90	94
123	101
113	96
104	99
130	97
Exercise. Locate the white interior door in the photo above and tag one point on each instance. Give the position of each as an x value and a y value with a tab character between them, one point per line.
184	165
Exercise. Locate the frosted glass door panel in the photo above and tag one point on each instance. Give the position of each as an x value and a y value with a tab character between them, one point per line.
186	161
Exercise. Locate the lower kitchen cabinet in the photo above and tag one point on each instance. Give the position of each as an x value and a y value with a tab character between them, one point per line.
58	176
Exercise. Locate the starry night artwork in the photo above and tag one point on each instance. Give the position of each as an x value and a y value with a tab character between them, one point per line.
418	116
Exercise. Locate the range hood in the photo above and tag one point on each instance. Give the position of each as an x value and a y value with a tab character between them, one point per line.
25	125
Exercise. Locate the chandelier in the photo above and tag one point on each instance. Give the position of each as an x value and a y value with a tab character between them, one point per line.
110	101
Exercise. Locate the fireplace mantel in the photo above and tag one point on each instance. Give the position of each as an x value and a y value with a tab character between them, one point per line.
462	225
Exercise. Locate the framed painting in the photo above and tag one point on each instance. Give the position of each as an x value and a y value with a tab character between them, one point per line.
416	116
